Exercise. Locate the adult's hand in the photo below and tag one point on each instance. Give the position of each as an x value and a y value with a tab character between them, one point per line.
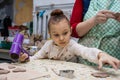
103	15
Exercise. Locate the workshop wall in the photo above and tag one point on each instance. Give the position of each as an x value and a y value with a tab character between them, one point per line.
23	11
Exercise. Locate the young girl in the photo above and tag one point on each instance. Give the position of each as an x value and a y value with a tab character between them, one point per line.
61	47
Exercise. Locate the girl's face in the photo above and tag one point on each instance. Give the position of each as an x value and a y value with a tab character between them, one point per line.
60	33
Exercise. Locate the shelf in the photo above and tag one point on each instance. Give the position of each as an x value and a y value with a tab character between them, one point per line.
4	54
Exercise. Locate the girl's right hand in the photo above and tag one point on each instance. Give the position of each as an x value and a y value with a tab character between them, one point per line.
23	57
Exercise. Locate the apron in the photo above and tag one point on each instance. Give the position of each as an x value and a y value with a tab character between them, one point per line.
105	37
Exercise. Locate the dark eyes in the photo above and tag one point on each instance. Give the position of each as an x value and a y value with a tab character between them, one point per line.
65	33
56	35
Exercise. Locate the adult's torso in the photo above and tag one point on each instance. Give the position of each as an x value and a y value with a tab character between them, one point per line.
103	36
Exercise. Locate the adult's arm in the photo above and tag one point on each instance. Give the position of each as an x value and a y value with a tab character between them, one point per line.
82	28
77	16
93	17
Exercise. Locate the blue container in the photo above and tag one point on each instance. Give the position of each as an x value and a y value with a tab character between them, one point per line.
6	45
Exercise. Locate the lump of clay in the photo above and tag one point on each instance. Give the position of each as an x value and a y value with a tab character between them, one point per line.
11	66
18	69
100	74
4	71
117	15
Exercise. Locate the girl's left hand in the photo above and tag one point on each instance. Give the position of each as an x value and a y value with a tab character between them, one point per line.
104	58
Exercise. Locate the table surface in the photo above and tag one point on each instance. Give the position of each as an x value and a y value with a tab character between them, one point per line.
50	68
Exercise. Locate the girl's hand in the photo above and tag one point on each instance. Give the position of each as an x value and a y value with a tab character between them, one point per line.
23	57
104	58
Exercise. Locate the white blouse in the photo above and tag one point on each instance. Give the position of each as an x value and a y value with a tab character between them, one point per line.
68	53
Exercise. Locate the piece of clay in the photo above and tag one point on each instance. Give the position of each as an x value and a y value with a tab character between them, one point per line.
11	66
4	71
18	69
117	15
3	77
100	74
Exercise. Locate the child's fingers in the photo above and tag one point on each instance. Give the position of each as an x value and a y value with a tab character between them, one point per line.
113	65
117	63
23	56
100	64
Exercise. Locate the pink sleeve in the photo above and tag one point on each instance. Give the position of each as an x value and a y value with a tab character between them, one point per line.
77	16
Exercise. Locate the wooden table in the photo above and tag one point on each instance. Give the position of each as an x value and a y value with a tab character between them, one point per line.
49	68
